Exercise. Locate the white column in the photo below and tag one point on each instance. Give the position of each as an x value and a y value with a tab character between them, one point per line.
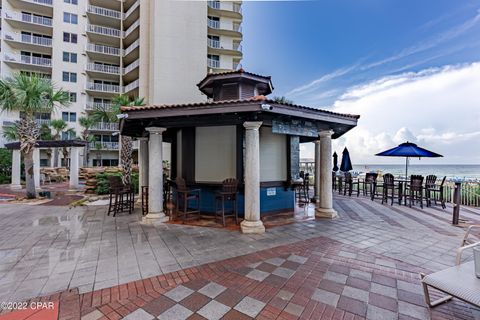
36	166
16	165
155	175
317	171
143	163
74	167
52	158
252	222
325	206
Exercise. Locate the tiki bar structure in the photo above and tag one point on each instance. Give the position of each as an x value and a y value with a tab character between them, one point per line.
238	133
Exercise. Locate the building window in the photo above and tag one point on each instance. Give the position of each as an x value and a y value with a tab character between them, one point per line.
70	37
72	96
69	116
71	1
69	76
70	18
69	57
69	135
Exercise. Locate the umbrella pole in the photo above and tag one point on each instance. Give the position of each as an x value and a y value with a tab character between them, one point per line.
406	168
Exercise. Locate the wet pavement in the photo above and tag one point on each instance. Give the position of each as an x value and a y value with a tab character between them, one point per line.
49	249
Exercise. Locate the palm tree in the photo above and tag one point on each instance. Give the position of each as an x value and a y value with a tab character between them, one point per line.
86	123
126	143
29	94
58	126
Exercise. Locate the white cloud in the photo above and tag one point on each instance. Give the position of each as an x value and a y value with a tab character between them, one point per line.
437	108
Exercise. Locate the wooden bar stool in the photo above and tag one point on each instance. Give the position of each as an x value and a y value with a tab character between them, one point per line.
184	196
227	194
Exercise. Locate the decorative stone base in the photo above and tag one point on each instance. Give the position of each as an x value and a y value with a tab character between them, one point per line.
252	226
15	186
326	213
158	217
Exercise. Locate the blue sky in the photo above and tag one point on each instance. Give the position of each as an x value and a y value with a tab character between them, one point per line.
342	55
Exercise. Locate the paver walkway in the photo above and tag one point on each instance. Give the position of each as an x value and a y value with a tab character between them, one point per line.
383	241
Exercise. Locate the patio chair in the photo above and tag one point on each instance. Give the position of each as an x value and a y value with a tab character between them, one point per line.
370	184
466	238
121	197
227	194
415	190
389	185
436	191
334	180
301	189
457	282
429	183
184	197
349	183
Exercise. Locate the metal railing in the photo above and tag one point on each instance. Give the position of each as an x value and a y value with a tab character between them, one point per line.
105	126
102	68
213	63
26	38
105	12
99	48
110	88
91	105
104	145
237	46
44	2
104	31
36	60
25	17
237	27
214	24
237	8
131	66
131	47
132	8
213	43
132	85
214	4
41	122
130	29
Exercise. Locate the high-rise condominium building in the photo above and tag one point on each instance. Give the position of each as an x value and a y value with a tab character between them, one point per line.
97	49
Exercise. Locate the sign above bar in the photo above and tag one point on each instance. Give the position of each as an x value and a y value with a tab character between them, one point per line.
295	128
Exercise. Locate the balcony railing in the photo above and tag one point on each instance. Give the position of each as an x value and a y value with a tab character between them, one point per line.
132	8
91	105
26	38
41	122
237	8
44	2
132	85
103	49
25	17
44	62
105	12
103	145
213	43
131	47
237	27
214	24
105	126
132	27
213	63
131	66
237	46
109	88
214	4
103	68
104	31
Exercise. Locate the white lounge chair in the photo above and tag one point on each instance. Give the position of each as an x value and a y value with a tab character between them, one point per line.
458	281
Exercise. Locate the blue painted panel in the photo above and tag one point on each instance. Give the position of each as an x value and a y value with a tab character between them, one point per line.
282	200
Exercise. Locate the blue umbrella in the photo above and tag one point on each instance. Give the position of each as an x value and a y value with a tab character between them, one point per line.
408	150
346	164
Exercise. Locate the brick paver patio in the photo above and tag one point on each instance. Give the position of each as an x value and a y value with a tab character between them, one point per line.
364	264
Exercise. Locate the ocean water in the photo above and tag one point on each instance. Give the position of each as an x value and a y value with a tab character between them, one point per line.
452	171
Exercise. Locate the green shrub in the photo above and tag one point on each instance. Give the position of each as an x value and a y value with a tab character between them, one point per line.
5	165
102	182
